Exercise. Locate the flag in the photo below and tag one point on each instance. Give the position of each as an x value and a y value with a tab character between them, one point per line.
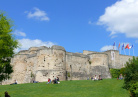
130	47
127	46
113	45
119	46
122	46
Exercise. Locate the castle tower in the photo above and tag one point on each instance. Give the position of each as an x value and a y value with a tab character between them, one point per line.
51	63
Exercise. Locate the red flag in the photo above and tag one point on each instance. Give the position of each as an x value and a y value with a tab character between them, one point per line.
119	45
127	46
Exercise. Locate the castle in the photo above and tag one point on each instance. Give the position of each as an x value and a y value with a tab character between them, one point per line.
41	63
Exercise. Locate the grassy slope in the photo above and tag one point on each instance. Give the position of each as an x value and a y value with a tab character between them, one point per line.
81	88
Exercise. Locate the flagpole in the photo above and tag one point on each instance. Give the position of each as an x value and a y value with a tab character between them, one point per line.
129	52
115	45
133	50
124	51
119	47
120	50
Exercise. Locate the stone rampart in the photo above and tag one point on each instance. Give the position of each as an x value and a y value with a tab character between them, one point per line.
77	66
85	52
41	63
99	65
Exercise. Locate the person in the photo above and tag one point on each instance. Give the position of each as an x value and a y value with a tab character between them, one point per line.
6	94
87	78
120	77
49	80
35	81
57	78
54	81
95	78
91	78
14	82
100	78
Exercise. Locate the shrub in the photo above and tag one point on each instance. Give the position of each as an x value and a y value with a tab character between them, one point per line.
131	77
115	73
68	74
122	71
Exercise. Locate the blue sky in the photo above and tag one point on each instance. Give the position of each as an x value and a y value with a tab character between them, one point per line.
76	25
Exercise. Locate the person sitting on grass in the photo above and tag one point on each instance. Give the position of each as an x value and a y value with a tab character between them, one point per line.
35	81
57	78
49	81
91	78
100	78
54	81
95	78
14	82
6	94
120	77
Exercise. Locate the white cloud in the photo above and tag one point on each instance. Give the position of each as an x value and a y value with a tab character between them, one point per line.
19	33
121	17
108	47
38	14
27	43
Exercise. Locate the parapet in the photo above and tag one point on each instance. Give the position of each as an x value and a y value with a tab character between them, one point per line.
77	55
58	47
42	48
33	48
85	52
23	52
112	50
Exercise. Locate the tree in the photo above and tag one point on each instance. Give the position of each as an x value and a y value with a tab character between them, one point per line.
131	76
7	46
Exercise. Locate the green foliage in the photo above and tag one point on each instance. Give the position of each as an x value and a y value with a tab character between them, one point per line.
68	74
115	73
7	46
32	75
90	62
136	90
131	76
74	88
122	71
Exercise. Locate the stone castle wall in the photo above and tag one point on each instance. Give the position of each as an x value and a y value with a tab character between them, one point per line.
117	61
77	66
41	63
99	65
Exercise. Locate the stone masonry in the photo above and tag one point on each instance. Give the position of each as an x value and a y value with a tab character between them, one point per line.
41	63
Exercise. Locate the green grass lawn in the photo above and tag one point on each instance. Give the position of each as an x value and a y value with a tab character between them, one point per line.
78	88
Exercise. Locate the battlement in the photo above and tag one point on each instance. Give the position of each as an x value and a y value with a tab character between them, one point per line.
58	47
